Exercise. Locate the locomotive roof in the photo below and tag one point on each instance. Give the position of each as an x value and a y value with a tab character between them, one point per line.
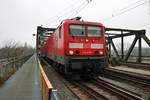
79	22
69	21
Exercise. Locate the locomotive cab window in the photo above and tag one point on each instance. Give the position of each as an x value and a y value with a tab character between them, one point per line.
77	30
94	31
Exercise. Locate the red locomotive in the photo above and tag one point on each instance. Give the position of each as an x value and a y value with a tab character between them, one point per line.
77	48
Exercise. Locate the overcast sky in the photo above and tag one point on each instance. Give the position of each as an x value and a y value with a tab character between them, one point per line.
19	18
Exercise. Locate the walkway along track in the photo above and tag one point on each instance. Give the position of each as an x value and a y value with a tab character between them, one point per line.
145	66
129	76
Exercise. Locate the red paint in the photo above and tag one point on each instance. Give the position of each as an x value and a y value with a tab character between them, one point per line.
58	44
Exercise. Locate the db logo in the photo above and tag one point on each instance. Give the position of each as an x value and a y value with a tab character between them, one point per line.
87	45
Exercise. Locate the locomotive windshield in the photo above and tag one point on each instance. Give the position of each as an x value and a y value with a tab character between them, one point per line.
77	30
94	31
90	31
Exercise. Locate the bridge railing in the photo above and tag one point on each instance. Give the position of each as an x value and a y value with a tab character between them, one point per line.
12	59
48	93
8	66
4	60
144	59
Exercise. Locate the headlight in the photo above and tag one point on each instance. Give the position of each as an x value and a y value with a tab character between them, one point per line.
101	52
71	52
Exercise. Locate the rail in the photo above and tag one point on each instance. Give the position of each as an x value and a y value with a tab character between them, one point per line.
48	93
130	76
123	93
95	95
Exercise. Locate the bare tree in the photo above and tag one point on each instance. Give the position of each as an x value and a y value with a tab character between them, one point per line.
13	49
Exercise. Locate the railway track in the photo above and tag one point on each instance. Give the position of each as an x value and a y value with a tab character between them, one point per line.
90	91
122	93
128	76
72	86
79	89
97	90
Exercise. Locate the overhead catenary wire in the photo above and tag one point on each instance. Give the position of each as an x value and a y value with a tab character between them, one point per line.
65	14
127	9
130	5
70	12
132	8
61	12
78	10
75	10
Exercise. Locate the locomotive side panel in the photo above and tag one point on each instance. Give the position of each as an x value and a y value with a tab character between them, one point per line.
55	50
59	46
50	47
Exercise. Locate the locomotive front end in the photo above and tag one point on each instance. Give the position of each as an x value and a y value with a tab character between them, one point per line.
86	48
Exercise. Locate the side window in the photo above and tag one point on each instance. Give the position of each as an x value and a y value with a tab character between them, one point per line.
60	32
